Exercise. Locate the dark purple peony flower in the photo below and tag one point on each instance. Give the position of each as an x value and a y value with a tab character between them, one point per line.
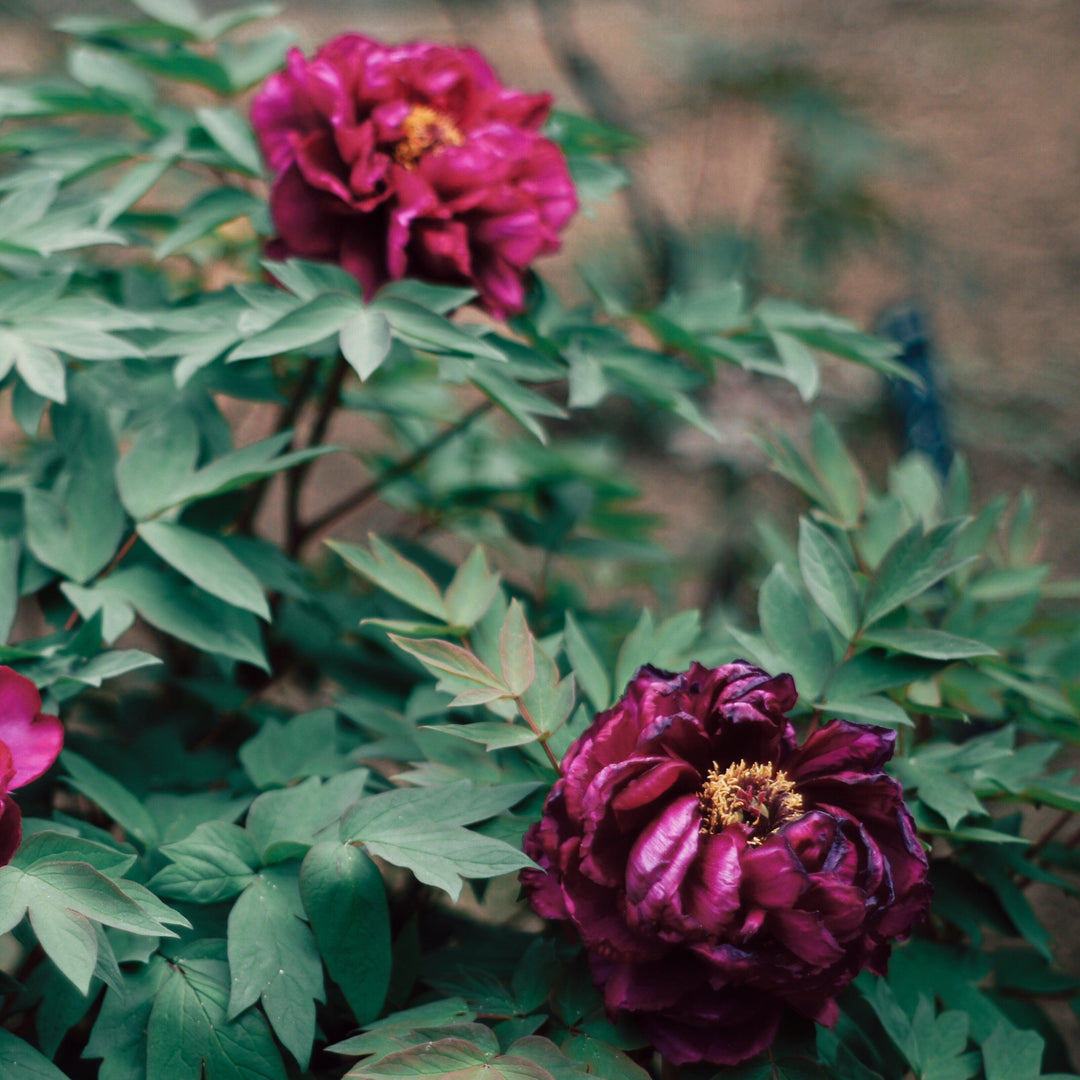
718	873
412	160
29	743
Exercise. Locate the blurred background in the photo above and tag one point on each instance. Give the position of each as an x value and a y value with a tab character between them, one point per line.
858	155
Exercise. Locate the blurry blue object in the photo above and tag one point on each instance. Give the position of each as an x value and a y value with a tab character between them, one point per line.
918	412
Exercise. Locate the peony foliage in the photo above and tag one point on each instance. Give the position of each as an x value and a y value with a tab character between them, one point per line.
348	725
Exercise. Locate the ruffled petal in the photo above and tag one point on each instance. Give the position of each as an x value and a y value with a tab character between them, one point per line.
33	740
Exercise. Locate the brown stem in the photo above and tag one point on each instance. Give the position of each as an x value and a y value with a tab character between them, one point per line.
128	544
1052	830
287	419
294	480
535	728
350	503
668	1070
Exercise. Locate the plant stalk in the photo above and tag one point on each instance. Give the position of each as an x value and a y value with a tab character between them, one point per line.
350	503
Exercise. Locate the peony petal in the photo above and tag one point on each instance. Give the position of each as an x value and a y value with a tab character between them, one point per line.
10	829
811	837
772	876
727	1028
33	740
804	933
711	889
660	858
841	746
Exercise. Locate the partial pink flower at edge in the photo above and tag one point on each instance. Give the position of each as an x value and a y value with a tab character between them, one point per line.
30	741
412	160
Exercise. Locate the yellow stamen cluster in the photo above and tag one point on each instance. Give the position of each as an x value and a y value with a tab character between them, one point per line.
756	795
424	129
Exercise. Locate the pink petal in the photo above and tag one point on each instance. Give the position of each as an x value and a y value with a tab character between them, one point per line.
33	739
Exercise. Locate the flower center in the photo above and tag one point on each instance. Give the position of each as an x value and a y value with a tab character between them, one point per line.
755	795
422	130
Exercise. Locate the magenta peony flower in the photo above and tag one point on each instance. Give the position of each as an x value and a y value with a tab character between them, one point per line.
29	743
718	873
412	160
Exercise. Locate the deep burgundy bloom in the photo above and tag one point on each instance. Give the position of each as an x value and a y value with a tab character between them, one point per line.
718	873
412	160
29	743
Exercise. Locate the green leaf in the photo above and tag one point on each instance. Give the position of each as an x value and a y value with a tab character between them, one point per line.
365	341
233	134
550	699
838	471
421	830
785	622
933	644
160	462
384	567
828	578
345	901
522	404
47	845
216	862
516	651
471	591
111	796
457	1056
878	710
180	13
943	791
423	329
1004	584
1012	1054
304	326
283	753
110	665
911	566
458	671
663	646
590	671
41	369
208	563
241	467
602	1058
129	189
189	1035
61	897
286	823
200	620
272	958
71	534
491	734
119	1035
26	205
207	212
800	367
10	550
20	1061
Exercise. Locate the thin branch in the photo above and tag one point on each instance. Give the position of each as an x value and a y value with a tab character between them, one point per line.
1052	830
350	503
286	419
294	481
128	544
535	729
